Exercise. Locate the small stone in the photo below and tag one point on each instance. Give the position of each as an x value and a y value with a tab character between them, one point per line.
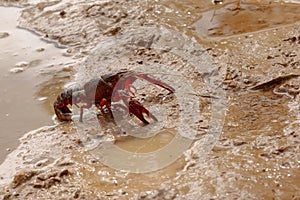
7	196
42	98
113	31
3	35
42	163
79	142
38	185
62	13
76	194
17	70
40	50
34	63
22	64
22	177
51	181
64	173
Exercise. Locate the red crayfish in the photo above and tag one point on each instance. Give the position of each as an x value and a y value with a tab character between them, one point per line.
100	92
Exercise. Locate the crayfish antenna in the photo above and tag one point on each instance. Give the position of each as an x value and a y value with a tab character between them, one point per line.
81	112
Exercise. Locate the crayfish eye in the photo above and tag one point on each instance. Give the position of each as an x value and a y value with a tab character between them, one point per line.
77	98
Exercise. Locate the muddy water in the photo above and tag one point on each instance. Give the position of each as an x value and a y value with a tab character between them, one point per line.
249	18
257	154
23	59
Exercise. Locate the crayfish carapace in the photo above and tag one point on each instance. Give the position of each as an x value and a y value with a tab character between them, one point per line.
100	92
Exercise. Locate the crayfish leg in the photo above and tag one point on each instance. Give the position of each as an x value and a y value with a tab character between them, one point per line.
63	113
104	103
81	110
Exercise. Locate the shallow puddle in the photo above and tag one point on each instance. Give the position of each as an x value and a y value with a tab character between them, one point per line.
225	21
24	58
115	182
141	145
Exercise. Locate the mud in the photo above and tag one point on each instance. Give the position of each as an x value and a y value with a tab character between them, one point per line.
257	156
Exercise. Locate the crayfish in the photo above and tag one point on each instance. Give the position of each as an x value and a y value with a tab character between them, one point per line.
102	91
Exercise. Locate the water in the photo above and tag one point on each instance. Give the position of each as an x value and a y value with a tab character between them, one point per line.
23	57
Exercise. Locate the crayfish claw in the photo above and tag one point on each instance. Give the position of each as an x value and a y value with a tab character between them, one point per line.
61	109
138	110
63	116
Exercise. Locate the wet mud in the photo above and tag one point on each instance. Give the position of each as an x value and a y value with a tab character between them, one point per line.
253	52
